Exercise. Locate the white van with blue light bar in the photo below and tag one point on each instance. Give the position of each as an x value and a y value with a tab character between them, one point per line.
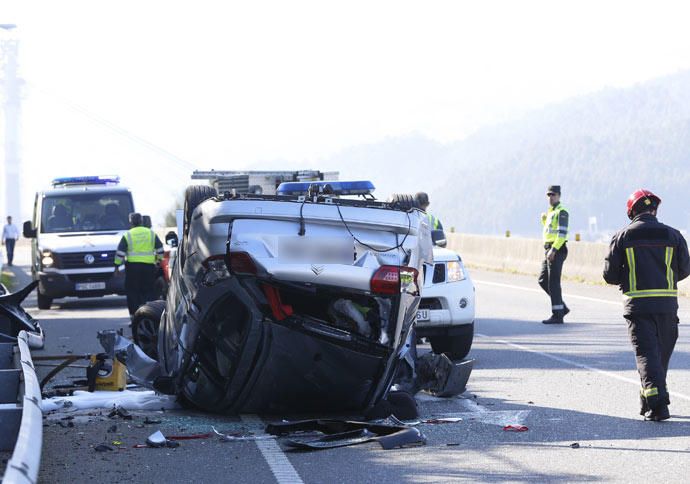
76	227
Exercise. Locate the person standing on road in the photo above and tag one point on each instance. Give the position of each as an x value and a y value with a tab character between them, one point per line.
142	249
10	235
555	229
647	259
422	201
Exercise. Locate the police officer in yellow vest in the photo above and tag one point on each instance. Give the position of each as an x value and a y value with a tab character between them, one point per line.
422	201
142	249
555	229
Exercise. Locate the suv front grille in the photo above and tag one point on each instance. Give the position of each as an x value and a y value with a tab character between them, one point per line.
430	303
76	260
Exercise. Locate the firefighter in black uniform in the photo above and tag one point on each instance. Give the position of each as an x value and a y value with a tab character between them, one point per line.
647	259
143	250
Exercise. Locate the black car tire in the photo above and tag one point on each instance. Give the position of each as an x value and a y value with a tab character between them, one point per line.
403	201
43	301
145	326
455	347
193	196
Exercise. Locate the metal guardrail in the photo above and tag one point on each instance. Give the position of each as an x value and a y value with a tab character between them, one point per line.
21	417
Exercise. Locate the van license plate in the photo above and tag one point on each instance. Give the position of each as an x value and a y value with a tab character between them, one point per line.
89	286
423	315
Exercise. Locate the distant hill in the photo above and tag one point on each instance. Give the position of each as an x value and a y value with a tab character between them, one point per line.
599	147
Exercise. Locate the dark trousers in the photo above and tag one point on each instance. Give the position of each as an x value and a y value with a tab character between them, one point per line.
9	243
653	337
550	278
139	280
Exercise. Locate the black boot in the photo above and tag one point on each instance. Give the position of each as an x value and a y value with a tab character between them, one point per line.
658	414
644	408
556	318
566	310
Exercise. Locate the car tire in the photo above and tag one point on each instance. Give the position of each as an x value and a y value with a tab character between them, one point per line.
402	201
193	196
455	347
145	325
43	301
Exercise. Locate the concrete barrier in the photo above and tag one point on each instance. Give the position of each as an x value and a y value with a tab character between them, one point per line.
585	261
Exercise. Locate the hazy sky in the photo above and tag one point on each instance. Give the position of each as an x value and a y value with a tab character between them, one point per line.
227	84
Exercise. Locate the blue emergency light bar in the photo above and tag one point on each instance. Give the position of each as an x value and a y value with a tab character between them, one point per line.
339	188
86	180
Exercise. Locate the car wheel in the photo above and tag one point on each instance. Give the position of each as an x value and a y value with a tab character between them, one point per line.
456	347
44	302
145	326
193	196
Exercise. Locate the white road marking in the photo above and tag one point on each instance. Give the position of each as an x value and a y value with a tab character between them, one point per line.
565	296
574	363
278	462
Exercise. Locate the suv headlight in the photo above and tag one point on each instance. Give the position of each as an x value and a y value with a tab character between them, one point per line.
47	259
455	272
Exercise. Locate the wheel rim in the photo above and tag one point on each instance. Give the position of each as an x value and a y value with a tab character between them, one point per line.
147	336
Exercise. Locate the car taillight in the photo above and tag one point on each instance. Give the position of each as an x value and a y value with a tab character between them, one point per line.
394	280
242	263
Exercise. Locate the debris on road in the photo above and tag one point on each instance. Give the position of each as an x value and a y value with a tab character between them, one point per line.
102	448
188	437
240	436
442	420
151	421
126	399
156	439
515	428
341	433
118	411
575	445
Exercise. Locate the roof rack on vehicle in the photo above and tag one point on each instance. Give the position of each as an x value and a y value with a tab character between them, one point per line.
361	187
86	180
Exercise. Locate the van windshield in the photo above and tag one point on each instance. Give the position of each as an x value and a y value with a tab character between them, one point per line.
85	212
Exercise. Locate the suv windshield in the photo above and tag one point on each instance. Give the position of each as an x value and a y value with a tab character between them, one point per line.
85	212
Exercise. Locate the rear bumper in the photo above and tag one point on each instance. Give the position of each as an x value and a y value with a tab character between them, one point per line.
57	285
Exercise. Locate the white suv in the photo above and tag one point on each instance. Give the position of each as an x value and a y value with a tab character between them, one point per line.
446	311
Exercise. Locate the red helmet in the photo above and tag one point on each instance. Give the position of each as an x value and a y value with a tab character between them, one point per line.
641	194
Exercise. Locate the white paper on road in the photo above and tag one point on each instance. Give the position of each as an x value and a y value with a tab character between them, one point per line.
127	399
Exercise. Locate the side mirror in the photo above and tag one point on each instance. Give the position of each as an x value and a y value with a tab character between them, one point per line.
171	239
28	230
438	237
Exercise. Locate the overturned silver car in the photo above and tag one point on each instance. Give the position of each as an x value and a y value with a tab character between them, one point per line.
295	302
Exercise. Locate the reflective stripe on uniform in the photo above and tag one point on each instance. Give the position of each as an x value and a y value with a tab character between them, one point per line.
632	279
669	269
650	392
652	293
557	307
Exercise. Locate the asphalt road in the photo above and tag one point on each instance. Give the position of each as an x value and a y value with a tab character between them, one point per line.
574	383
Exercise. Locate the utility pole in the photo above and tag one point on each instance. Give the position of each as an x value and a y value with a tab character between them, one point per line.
11	183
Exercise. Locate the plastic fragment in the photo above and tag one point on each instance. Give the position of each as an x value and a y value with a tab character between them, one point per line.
102	448
156	439
515	428
575	445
